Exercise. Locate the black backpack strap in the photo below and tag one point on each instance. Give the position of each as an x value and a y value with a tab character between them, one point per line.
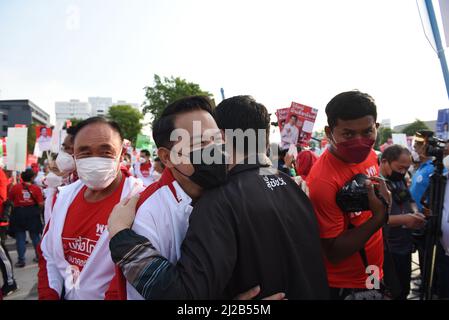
362	251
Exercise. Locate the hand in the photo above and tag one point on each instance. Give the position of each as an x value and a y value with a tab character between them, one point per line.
251	293
122	216
414	220
288	159
376	206
302	184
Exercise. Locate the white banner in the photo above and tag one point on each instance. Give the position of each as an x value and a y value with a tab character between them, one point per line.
16	146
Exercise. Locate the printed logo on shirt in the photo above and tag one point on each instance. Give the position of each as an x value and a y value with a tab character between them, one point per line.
79	250
371	171
26	195
419	179
274	182
100	229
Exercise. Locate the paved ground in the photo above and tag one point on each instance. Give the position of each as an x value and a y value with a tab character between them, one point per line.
26	277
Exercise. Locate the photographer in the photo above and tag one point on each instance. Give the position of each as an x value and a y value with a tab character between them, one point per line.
351	242
404	215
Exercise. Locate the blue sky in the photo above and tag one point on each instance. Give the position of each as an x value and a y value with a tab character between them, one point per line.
277	51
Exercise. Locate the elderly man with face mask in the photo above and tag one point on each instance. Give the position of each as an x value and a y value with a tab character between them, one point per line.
74	257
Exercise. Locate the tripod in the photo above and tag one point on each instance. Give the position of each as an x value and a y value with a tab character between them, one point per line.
433	228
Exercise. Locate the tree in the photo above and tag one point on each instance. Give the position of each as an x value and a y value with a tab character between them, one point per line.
411	129
128	119
384	134
31	137
167	90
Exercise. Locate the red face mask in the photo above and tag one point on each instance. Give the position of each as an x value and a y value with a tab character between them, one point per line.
355	150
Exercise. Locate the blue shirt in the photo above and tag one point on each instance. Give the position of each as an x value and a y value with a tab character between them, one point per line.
421	181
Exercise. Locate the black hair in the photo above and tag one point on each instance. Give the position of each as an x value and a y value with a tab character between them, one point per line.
28	175
243	112
114	125
350	105
127	155
71	131
394	152
425	133
282	152
146	152
165	124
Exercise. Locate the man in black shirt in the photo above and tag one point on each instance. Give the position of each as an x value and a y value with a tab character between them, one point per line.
257	229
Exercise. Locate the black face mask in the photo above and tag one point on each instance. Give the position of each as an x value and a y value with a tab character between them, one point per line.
210	175
396	176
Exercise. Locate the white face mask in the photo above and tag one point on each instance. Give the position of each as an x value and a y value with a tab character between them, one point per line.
142	160
65	162
52	180
446	162
97	173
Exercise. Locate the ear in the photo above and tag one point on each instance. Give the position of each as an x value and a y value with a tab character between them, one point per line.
122	154
328	132
377	125
164	156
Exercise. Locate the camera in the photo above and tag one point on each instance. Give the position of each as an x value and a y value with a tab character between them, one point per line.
435	147
353	197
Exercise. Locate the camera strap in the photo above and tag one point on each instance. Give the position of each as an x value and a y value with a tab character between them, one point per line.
362	251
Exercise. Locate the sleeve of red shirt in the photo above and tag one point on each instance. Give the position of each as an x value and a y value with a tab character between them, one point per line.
43	287
330	218
3	187
37	193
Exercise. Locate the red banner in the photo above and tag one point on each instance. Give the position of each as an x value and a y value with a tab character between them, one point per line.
32	159
43	138
305	119
282	114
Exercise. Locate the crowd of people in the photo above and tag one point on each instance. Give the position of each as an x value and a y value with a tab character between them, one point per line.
214	214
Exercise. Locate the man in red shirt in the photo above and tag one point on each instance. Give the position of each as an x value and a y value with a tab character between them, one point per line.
27	202
75	260
142	169
352	242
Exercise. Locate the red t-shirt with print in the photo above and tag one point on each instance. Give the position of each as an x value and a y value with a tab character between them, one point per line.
84	224
22	195
325	179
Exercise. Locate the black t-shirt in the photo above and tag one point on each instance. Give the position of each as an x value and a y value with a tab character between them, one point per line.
257	229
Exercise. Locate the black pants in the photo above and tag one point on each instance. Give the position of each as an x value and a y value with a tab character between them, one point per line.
403	268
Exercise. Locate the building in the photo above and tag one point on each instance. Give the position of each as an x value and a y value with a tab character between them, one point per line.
100	106
386	123
25	112
72	109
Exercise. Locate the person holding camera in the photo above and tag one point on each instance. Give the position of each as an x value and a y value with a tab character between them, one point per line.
351	237
404	216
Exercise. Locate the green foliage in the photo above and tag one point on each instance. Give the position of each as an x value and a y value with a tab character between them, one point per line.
411	129
128	119
167	90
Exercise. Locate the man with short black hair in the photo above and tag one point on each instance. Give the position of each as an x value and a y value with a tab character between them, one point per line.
258	228
351	241
290	133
